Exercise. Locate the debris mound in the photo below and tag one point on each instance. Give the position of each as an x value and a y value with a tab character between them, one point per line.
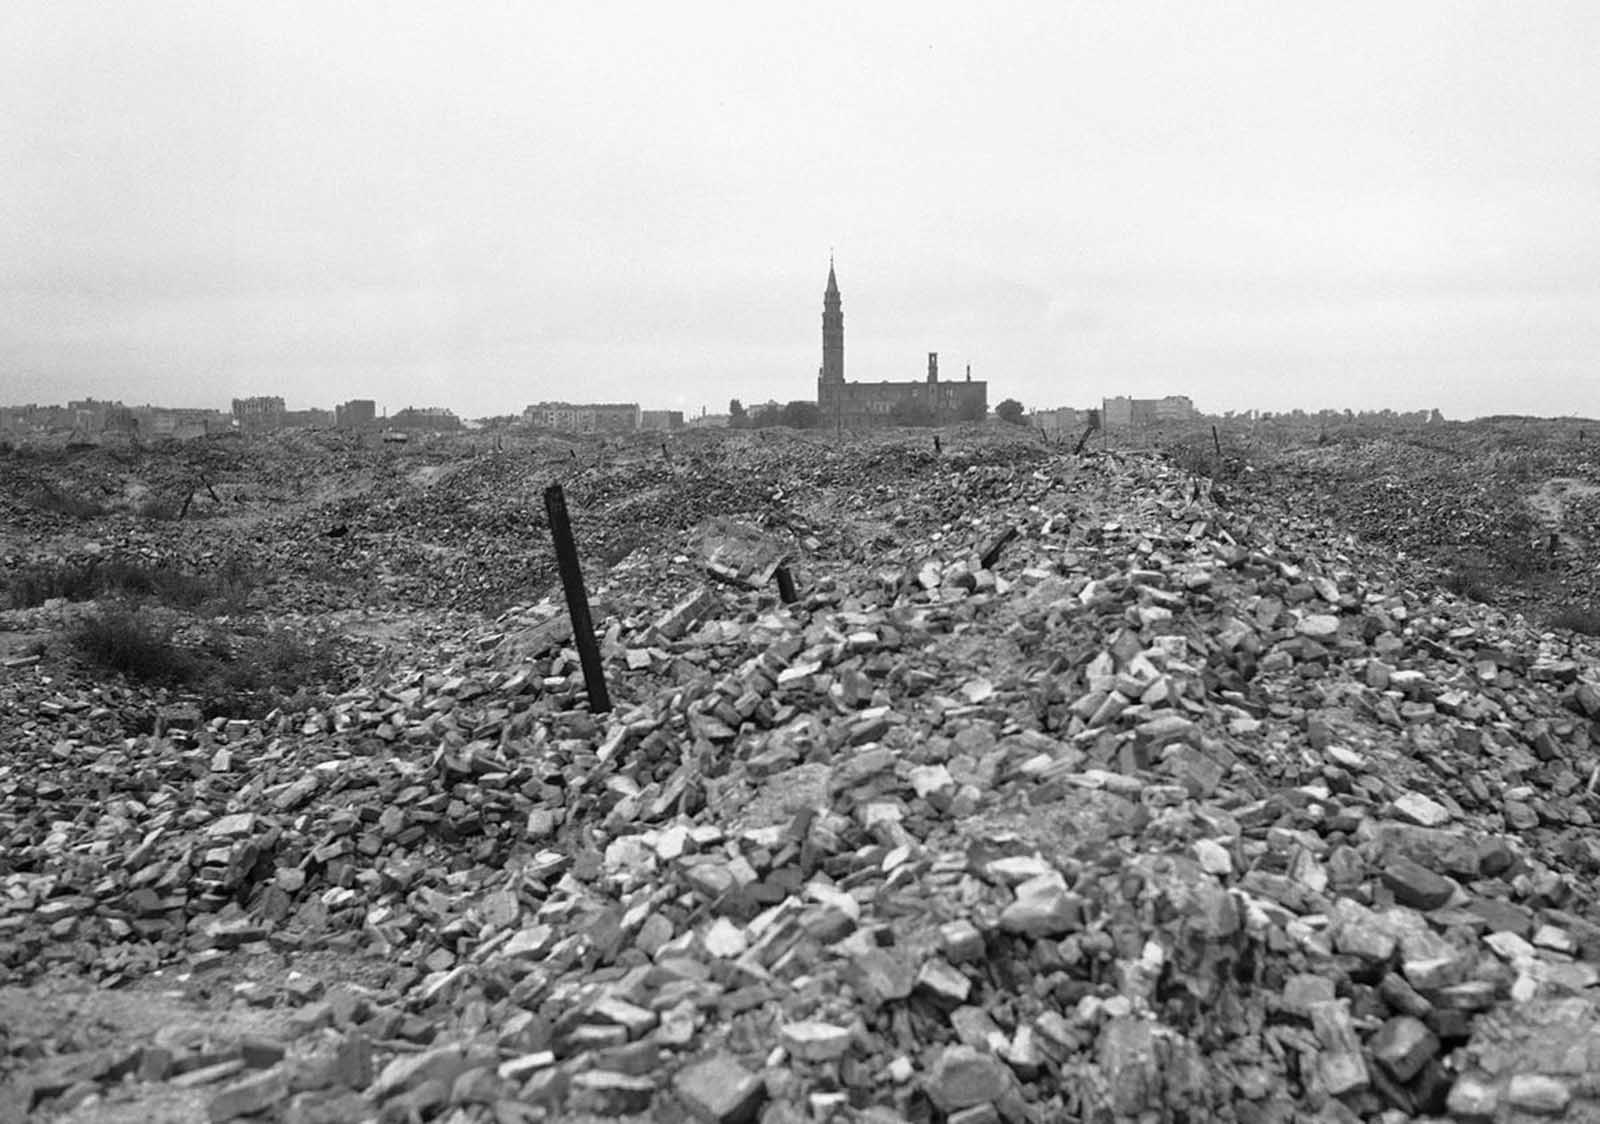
1061	792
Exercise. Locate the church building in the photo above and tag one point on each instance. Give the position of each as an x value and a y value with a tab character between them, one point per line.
856	405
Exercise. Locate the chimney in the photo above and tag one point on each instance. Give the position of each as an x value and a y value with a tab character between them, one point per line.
969	372
933	366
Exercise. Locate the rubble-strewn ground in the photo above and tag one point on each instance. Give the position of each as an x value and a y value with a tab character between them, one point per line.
1200	802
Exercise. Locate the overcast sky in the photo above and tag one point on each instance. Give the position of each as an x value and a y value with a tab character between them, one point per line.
482	205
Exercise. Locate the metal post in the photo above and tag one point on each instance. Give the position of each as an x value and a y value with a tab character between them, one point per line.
992	555
594	678
786	592
1082	441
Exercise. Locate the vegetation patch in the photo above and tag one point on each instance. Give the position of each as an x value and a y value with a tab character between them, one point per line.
160	509
1522	547
246	676
223	590
1577	618
129	642
1203	455
241	675
34	585
1470	582
58	502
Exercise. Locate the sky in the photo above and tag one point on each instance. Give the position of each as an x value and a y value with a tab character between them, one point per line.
1269	205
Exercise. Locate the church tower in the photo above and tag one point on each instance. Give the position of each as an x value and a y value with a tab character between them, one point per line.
832	333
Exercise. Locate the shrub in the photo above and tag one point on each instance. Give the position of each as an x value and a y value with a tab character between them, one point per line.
34	585
223	590
1469	582
258	673
1197	454
220	591
1523	550
129	642
1577	618
159	508
46	498
1192	457
234	676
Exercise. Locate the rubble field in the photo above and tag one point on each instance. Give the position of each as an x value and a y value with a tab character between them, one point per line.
1068	788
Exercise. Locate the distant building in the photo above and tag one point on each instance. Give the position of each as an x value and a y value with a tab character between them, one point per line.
307	419
92	406
1063	421
1127	413
660	420
45	419
92	420
425	418
561	416
259	413
358	413
865	404
597	417
181	423
90	416
619	417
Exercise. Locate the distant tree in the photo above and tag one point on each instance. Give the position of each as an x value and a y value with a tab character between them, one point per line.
911	411
802	415
737	418
971	409
1009	411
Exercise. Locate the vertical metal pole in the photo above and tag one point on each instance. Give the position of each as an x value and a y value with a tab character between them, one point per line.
1082	441
992	555
594	678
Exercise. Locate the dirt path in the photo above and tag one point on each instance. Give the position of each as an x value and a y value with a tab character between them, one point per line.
1549	503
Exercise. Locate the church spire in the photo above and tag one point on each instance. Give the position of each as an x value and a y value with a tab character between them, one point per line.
832	330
